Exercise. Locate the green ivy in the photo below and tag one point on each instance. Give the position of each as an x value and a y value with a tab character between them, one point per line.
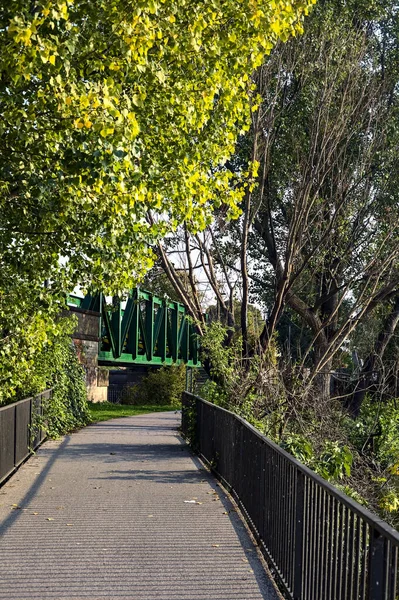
57	367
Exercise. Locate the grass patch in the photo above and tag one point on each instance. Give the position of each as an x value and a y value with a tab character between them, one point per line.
103	411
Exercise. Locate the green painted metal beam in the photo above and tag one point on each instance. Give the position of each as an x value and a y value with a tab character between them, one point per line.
149	330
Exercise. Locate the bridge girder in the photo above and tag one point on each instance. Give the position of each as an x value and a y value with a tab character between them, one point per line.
148	330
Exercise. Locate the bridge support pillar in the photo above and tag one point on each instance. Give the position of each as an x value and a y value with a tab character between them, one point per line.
86	339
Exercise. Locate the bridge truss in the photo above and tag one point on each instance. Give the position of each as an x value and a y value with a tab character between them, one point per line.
145	330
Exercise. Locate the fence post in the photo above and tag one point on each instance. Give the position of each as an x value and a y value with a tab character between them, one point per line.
299	528
377	566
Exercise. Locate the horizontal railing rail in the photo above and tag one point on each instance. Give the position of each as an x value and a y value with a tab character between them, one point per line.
322	544
21	431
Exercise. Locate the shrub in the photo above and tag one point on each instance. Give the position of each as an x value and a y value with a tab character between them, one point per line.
163	387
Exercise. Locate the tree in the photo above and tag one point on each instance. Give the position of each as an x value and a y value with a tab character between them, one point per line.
110	110
318	237
117	119
317	245
323	209
376	358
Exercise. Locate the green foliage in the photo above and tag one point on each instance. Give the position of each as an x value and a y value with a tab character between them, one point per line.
161	387
57	367
360	457
48	360
243	385
375	434
352	493
117	120
390	501
68	407
214	393
25	354
222	357
228	372
376	431
335	461
101	103
298	446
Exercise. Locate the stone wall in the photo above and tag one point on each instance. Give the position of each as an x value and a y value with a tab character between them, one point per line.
88	327
86	339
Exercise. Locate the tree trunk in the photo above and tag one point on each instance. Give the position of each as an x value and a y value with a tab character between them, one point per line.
322	378
366	374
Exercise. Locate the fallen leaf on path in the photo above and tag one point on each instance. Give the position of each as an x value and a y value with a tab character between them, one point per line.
49	519
215	545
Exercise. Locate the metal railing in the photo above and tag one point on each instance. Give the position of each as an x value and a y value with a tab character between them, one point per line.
20	431
322	544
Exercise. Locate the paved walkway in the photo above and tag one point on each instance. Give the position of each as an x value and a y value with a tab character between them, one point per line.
122	510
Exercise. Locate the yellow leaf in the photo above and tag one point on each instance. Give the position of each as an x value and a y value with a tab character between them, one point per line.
106	131
52	59
394	470
275	26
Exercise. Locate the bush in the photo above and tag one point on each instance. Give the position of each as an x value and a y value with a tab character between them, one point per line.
164	386
57	367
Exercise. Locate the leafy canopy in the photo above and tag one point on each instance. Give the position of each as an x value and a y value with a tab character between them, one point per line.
111	108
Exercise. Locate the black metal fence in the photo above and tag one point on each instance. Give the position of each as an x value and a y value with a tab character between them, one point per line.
20	431
322	544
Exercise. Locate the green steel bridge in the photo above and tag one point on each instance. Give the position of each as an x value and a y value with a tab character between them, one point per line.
146	330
